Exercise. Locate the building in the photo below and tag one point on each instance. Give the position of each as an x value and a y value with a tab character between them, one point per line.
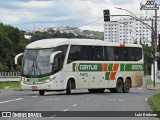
129	31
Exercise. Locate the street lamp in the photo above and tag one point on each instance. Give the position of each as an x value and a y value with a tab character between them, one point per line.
136	18
127	11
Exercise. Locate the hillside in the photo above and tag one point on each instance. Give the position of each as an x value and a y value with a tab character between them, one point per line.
94	34
64	31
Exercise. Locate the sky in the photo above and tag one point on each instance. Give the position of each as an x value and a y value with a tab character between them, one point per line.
86	14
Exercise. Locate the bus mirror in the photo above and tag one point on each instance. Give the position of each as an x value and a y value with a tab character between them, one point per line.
53	55
16	58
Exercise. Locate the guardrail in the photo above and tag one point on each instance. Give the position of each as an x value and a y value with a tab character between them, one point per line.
9	76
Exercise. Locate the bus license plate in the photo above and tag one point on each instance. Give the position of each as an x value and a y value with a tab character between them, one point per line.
34	87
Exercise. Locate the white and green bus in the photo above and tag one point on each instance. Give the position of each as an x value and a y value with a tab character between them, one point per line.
66	64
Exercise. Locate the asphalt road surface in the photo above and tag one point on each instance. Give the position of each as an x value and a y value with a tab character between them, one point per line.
80	100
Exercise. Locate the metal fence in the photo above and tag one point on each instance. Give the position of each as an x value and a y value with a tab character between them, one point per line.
9	76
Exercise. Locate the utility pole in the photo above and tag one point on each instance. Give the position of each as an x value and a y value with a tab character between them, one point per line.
155	43
151	5
153	53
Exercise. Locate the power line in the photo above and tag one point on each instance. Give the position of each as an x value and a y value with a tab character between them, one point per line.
90	22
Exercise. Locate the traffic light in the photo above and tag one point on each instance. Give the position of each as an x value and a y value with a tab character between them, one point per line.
106	14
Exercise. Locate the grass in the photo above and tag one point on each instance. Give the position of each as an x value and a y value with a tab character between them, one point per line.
150	82
154	101
9	84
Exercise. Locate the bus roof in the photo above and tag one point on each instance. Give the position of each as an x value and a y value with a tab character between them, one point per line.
54	42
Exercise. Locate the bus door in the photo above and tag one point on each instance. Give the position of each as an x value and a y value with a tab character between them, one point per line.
57	66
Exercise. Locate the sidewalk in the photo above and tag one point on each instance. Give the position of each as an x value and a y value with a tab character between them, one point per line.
150	84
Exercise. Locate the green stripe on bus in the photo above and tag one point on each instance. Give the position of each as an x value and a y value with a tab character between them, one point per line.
110	67
89	67
37	79
134	67
73	67
122	67
107	76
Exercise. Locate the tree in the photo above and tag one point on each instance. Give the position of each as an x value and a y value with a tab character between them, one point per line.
147	57
12	42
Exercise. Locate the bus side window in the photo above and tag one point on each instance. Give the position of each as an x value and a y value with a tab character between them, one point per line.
59	58
74	54
86	53
98	53
131	53
139	54
109	53
120	54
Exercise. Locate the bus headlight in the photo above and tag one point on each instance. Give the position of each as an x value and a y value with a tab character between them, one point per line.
23	79
47	80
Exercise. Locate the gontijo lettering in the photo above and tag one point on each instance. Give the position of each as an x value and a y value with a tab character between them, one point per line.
88	67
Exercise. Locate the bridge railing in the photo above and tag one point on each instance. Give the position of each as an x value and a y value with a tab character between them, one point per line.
9	74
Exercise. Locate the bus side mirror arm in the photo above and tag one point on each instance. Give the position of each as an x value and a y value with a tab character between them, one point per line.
16	58
53	55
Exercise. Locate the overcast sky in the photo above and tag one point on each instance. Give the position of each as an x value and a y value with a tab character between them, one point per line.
24	14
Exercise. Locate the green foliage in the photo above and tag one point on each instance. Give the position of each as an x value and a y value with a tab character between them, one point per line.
147	56
12	42
154	101
9	84
95	34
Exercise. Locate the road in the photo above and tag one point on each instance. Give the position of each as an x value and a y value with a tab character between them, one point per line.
80	100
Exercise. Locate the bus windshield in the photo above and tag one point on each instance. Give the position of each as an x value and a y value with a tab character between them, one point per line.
36	62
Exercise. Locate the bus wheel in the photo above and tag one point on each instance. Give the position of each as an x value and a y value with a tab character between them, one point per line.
119	86
41	92
127	86
68	89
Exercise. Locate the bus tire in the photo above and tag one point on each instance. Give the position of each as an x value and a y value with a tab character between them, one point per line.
41	92
126	86
68	89
119	86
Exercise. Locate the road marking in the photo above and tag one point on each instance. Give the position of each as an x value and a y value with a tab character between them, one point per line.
48	99
11	100
75	105
53	116
87	98
34	96
140	88
111	99
121	100
57	99
146	99
65	110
